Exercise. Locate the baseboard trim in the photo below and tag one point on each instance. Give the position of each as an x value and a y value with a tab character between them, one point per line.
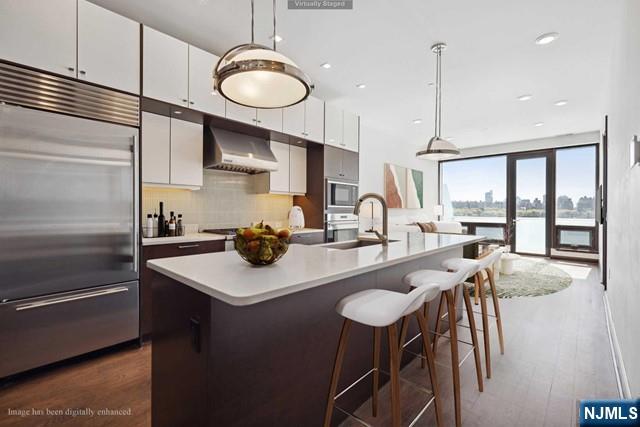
618	364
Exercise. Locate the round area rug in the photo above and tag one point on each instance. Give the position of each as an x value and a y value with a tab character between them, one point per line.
531	278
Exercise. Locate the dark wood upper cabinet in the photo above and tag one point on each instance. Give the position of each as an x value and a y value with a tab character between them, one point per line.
340	164
350	165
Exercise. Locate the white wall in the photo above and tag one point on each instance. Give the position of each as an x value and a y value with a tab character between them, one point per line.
624	193
534	144
378	147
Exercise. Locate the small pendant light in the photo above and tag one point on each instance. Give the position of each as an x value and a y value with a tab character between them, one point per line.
257	76
438	148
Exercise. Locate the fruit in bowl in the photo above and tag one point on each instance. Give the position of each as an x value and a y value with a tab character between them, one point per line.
262	244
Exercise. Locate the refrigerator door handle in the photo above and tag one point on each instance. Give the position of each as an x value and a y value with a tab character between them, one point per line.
136	193
77	297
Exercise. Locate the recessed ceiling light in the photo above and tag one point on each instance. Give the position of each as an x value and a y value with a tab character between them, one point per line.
326	65
213	92
525	97
561	103
538	124
547	38
361	85
417	121
277	38
177	112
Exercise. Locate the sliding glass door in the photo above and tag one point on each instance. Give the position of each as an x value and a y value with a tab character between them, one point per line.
528	207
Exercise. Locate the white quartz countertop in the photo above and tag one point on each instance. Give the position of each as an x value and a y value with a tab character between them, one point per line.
227	277
189	237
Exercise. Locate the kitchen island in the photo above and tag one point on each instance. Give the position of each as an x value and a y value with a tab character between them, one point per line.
241	345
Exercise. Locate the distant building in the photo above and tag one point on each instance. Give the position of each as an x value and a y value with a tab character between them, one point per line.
488	198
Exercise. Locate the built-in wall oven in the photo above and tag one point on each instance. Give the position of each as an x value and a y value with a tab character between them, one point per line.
341	194
341	227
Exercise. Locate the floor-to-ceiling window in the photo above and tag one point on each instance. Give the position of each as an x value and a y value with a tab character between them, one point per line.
474	191
538	200
576	182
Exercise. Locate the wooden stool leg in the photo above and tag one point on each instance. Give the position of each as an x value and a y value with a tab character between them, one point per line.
426	316
496	308
455	360
404	326
476	291
337	366
485	324
394	370
424	329
376	372
474	335
438	321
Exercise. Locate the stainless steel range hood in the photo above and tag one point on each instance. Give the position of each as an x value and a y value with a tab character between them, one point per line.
236	152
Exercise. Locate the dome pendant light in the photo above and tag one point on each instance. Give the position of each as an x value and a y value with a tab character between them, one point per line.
257	76
438	148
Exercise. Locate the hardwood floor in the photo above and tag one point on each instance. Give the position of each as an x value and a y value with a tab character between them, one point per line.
114	380
556	351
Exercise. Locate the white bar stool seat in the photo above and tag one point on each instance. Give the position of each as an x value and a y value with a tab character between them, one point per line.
379	309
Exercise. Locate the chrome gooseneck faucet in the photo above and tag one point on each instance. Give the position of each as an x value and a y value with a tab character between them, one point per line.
384	237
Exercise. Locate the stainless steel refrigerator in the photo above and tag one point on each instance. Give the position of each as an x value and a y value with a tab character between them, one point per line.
68	219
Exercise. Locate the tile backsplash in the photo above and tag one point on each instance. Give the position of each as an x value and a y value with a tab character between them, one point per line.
225	200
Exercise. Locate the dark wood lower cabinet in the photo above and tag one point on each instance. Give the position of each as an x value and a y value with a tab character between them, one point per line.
146	274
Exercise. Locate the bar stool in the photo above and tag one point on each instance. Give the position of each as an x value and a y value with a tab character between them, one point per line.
450	282
379	309
485	264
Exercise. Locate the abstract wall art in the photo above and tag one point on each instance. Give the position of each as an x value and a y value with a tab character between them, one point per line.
403	187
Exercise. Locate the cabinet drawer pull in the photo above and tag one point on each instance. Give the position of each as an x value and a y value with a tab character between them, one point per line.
185	100
86	295
187	246
83	72
71	69
191	102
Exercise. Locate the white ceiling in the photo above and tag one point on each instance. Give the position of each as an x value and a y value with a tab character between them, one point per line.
491	59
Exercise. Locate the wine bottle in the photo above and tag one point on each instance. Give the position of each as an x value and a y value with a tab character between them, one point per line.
161	230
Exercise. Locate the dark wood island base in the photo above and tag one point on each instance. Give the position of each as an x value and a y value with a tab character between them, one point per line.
265	364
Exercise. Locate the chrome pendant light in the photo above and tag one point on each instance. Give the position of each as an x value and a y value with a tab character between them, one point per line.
438	148
257	76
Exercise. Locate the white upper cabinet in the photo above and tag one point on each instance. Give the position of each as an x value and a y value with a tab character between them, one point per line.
186	153
156	148
351	131
241	113
279	180
270	118
201	94
165	68
293	120
108	48
333	126
40	34
314	119
171	151
297	170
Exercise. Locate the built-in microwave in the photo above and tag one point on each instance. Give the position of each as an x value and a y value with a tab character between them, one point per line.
341	194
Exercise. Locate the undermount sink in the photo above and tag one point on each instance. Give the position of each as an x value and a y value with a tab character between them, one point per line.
352	244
